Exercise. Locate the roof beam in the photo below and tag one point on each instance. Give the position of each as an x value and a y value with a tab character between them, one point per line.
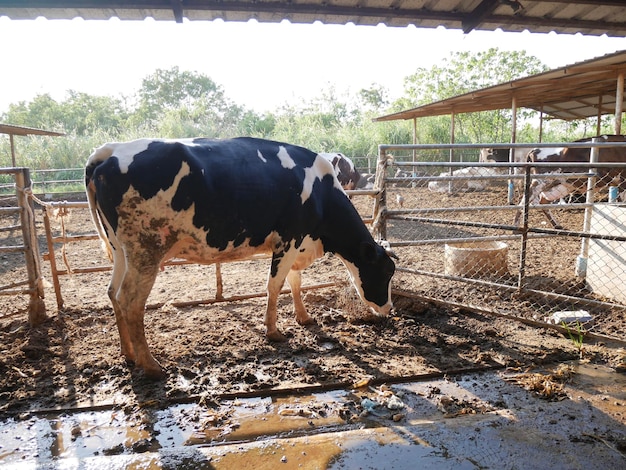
177	8
484	8
613	3
521	20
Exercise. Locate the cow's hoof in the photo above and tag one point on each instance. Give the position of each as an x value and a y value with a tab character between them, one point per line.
276	336
129	362
306	321
154	374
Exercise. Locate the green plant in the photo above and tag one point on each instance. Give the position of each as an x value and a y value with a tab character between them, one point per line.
577	335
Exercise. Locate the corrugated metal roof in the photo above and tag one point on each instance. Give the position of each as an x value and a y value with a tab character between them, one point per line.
590	17
576	91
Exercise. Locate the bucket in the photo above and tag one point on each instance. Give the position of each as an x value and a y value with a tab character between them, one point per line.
476	259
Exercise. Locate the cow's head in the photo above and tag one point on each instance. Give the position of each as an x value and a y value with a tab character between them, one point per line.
371	275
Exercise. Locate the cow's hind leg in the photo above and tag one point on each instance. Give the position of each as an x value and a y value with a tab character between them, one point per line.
134	290
119	267
294	278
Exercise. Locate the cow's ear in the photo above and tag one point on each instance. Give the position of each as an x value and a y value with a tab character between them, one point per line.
368	252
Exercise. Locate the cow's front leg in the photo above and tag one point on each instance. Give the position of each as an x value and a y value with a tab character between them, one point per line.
281	264
294	278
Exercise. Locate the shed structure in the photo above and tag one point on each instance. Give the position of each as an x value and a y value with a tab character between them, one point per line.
592	88
590	17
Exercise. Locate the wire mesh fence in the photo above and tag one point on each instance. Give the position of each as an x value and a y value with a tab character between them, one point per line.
539	241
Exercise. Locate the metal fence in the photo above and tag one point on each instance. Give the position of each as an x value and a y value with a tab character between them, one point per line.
461	242
49	183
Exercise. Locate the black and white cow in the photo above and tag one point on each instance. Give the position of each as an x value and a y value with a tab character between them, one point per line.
503	155
347	174
211	201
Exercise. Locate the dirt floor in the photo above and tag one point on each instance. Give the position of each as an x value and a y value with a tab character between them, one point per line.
73	359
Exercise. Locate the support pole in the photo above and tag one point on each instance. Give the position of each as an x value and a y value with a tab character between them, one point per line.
414	138
581	261
599	120
451	157
619	99
511	183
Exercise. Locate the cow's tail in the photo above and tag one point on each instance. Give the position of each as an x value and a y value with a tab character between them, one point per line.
97	157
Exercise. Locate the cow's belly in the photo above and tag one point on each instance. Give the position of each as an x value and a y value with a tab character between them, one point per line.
201	253
151	227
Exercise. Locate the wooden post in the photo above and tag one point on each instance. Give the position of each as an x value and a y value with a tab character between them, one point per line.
52	258
36	306
12	142
379	226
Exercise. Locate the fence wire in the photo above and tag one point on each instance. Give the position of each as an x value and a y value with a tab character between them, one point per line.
475	234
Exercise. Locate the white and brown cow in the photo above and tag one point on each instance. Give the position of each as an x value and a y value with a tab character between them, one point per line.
211	201
470	178
559	184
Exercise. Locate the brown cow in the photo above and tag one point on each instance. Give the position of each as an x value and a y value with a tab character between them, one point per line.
548	190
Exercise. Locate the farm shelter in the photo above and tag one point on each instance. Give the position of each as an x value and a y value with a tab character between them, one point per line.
592	88
483	390
590	17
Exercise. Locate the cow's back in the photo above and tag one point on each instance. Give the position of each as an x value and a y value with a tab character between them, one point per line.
222	193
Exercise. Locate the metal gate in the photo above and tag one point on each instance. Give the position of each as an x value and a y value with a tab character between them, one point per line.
468	247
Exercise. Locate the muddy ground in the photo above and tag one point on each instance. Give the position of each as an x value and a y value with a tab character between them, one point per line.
73	359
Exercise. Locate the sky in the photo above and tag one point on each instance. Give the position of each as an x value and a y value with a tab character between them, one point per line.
261	66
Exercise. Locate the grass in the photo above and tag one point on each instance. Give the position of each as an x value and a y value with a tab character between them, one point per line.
577	335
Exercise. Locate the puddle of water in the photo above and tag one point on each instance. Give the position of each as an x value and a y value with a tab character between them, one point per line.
109	433
397	457
474	421
602	387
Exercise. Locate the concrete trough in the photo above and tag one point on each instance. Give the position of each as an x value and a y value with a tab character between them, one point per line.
476	259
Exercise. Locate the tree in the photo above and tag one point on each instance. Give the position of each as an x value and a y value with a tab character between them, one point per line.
374	98
175	103
167	90
464	72
79	114
42	112
84	113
